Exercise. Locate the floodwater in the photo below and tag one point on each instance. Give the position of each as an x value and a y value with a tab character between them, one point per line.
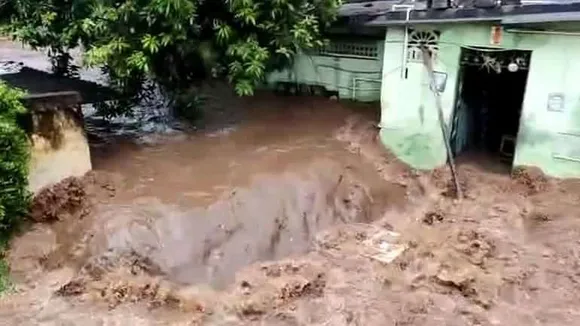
253	181
273	214
202	205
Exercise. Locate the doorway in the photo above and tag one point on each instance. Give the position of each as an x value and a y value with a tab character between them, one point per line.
490	94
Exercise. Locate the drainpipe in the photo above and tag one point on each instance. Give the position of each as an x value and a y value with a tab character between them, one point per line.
406	41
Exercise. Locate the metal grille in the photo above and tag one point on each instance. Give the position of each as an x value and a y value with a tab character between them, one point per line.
420	38
352	49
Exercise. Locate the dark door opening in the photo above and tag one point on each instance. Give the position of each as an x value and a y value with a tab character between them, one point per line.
490	94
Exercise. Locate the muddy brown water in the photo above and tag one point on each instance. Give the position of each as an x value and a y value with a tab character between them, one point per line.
257	180
202	205
272	205
266	221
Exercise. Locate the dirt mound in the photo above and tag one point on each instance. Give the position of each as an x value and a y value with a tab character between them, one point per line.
63	212
532	178
72	196
450	263
122	277
65	198
276	285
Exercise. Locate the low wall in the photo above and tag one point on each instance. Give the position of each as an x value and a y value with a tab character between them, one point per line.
60	147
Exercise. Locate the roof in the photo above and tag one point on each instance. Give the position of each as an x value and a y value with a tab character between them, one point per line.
39	83
394	12
552	17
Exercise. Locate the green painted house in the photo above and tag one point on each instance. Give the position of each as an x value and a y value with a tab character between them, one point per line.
507	74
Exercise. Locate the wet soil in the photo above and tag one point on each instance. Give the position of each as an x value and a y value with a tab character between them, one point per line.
275	219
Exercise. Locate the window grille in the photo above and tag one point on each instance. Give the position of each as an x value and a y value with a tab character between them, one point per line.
352	49
420	38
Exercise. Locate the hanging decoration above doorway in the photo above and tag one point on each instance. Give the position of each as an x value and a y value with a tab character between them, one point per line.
496	60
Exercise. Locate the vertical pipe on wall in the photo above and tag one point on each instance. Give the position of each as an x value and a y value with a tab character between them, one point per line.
406	39
405	45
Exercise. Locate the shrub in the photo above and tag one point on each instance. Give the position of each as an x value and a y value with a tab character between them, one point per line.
14	158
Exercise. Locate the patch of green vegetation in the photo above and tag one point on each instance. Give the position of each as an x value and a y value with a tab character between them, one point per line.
4	276
14	160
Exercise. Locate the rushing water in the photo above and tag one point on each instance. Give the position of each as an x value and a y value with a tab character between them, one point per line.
202	205
181	208
257	182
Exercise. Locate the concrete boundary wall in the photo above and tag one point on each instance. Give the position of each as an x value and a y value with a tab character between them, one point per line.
60	147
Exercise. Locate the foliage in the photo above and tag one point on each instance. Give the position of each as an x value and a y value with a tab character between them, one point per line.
187	105
14	158
176	43
4	277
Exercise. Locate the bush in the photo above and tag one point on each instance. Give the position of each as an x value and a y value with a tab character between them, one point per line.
14	158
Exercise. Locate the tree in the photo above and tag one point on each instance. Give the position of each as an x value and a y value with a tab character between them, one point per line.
175	43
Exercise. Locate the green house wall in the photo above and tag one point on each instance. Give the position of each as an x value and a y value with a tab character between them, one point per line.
352	77
549	140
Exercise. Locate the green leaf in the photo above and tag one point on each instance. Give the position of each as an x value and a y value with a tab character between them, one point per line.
244	87
138	61
150	43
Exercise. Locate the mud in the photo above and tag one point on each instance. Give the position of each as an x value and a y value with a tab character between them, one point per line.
288	214
273	218
531	178
68	197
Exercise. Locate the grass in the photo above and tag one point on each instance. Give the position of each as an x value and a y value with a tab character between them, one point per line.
4	276
5	283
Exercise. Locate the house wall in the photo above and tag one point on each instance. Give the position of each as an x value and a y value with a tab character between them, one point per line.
355	78
59	145
549	140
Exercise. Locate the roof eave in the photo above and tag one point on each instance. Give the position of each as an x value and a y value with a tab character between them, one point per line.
508	14
542	18
384	22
